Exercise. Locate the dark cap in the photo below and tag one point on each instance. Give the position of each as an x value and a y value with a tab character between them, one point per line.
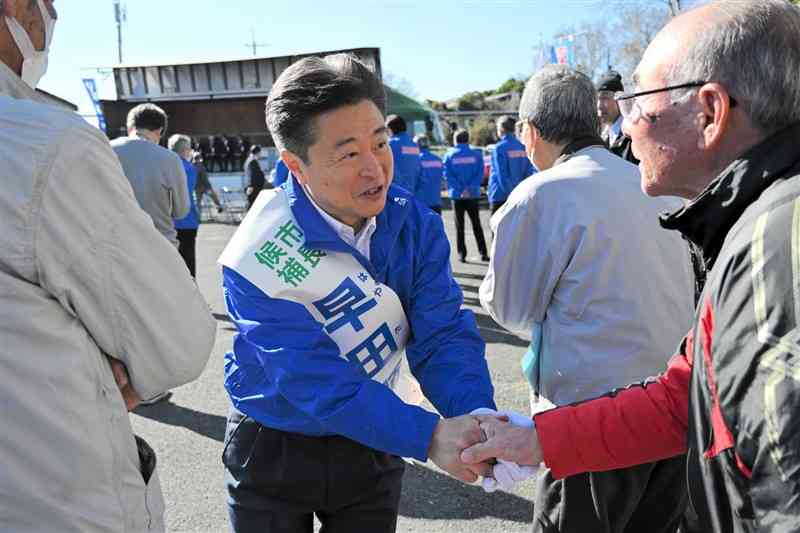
610	81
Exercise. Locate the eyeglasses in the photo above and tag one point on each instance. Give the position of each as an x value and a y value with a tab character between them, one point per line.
629	106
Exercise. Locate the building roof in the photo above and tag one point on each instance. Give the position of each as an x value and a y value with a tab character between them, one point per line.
202	80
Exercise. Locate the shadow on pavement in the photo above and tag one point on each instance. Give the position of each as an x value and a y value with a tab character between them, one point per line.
211	426
493	333
436	496
467	275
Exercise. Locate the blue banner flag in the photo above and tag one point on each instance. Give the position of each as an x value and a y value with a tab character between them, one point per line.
91	88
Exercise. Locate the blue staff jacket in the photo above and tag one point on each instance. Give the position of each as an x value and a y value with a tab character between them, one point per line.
510	165
281	173
463	170
406	161
192	220
429	186
288	374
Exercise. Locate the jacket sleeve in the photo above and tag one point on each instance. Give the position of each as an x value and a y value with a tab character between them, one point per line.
99	255
447	353
452	178
639	424
534	242
752	361
181	202
500	158
303	364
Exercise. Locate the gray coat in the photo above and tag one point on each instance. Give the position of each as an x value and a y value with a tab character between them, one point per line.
83	274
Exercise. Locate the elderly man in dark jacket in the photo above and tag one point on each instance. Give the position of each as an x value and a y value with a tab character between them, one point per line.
715	119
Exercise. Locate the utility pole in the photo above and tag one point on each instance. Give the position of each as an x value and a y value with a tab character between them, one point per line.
121	16
674	7
254	44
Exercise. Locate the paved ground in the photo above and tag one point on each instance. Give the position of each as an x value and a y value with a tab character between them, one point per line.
187	431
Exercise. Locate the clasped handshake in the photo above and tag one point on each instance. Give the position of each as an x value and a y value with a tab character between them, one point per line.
500	447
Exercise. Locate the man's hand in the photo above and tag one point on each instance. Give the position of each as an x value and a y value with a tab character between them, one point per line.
450	437
124	383
504	441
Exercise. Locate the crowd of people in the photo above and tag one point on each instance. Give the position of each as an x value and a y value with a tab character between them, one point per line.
348	313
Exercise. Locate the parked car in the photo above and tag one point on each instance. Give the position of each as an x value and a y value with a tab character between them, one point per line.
487	163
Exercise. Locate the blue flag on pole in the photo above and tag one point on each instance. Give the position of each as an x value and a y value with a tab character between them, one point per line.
91	88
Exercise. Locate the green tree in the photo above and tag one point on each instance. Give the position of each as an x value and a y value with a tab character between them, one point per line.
511	85
482	132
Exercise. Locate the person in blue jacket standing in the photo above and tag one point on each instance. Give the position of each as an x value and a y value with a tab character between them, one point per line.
429	185
510	164
187	226
280	174
340	287
405	153
463	170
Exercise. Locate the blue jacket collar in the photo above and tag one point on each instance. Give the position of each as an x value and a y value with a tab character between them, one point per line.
319	235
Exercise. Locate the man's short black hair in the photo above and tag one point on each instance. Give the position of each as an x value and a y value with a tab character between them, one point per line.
461	136
314	86
255	149
396	123
507	124
147	117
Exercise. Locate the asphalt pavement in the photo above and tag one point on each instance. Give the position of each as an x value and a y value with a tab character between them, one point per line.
188	429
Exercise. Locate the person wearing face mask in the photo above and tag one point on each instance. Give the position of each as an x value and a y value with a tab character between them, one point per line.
582	269
98	311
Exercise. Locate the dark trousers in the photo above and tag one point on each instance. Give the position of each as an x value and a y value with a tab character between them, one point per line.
186	246
494	206
278	481
647	498
471	208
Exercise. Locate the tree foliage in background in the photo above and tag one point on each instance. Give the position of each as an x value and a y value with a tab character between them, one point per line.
619	39
400	84
482	131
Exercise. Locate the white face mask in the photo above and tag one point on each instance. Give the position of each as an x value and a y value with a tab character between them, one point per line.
34	63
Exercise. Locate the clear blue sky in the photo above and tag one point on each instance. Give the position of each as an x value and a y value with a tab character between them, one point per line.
443	48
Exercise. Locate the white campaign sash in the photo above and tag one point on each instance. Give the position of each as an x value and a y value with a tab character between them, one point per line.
362	316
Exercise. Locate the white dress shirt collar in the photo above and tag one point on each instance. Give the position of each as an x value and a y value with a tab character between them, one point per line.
360	241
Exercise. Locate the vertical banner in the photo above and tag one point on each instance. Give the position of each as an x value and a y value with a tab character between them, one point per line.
91	88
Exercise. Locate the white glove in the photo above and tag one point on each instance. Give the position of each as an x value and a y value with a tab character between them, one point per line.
506	474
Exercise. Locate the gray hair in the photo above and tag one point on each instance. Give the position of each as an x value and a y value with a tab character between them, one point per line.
753	50
177	143
561	103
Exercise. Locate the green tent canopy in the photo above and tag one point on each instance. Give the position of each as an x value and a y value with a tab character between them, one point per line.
408	108
412	111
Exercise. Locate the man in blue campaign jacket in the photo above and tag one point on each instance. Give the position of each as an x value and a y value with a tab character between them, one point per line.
510	164
338	283
429	186
405	153
463	170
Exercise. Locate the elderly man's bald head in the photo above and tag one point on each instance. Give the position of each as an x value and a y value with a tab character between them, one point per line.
751	47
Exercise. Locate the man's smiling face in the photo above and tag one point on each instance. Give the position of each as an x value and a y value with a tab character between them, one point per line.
350	165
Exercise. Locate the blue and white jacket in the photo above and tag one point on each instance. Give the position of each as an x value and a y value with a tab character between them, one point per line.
463	170
510	165
406	161
292	368
429	186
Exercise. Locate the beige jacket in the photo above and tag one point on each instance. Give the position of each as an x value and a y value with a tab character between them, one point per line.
83	273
